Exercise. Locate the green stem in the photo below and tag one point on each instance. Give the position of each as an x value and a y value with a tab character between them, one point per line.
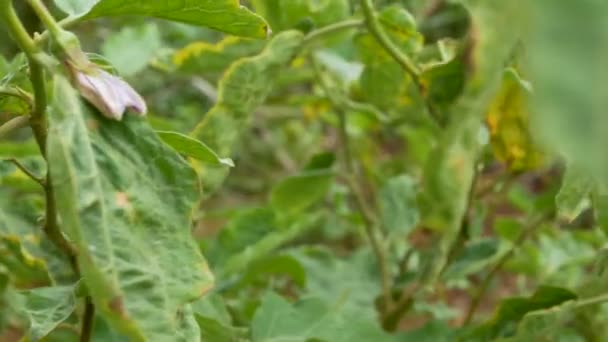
523	236
370	221
45	16
333	28
375	28
13	125
38	121
26	171
87	320
17	93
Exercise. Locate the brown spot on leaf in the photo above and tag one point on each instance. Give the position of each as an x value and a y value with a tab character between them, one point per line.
122	200
117	305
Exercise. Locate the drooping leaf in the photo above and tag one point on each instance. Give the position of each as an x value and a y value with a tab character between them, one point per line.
130	49
398	205
243	88
45	308
125	201
223	15
310	319
193	148
296	193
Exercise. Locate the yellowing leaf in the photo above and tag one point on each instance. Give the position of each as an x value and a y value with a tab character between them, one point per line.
508	123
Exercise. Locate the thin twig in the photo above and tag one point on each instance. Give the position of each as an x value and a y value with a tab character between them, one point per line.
18	93
375	28
87	320
370	221
521	238
333	28
26	171
13	125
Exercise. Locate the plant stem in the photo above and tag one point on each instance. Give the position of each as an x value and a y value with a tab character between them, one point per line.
13	125
333	28
375	28
26	171
38	123
17	93
369	219
87	320
521	238
45	16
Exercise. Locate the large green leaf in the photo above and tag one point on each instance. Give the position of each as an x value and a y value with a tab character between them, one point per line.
243	88
45	308
223	15
125	200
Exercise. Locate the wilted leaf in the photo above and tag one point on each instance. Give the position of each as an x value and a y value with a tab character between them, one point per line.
125	201
193	148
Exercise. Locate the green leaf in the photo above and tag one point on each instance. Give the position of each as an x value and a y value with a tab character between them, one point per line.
298	192
215	322
222	15
244	230
277	320
398	205
292	14
125	200
243	88
512	310
193	148
569	80
205	58
352	283
473	258
45	308
130	49
573	197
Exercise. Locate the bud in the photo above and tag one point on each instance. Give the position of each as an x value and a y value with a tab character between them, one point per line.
110	94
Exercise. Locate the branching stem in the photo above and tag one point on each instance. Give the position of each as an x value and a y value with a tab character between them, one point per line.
376	29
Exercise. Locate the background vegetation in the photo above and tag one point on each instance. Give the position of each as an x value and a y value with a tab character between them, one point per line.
308	170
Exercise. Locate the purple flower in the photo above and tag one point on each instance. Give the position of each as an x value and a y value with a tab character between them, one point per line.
110	94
